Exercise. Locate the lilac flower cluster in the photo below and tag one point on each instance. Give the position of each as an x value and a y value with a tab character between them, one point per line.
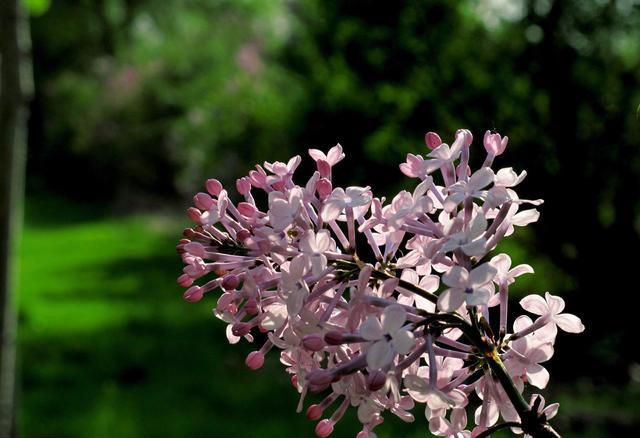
381	305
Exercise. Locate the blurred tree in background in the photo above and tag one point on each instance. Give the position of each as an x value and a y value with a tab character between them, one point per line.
138	101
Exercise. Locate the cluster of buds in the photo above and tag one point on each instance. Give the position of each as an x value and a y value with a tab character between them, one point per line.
382	305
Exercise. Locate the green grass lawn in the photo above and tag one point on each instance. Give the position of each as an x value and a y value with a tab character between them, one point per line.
109	349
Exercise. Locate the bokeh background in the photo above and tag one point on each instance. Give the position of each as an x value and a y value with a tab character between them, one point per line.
137	102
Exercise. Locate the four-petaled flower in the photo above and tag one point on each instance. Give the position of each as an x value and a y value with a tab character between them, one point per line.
389	334
472	287
549	308
341	199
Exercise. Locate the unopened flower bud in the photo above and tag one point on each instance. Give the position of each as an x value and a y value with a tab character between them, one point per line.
193	294
243	235
254	360
181	244
194	214
324	188
334	338
240	329
203	201
246	209
313	342
243	185
432	140
324	428
214	186
230	281
251	307
314	412
196	249
319	379
185	281
324	168
376	380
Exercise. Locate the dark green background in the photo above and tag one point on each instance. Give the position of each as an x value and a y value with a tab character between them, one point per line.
138	101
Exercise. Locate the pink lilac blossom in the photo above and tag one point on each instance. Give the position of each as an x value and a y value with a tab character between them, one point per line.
382	306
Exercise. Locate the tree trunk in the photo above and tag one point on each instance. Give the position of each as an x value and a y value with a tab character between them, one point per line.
15	87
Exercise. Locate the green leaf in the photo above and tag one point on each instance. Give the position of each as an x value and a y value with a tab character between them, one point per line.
37	7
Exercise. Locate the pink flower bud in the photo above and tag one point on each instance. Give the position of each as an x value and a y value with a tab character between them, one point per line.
313	342
243	235
214	186
246	209
251	307
324	168
432	140
319	379
185	281
314	412
189	233
240	329
203	201
230	281
243	185
376	380
362	434
181	244
324	428
194	214
334	337
193	294
324	188
254	360
219	270
195	248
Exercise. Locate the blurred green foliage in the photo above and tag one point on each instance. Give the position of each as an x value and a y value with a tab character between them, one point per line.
138	101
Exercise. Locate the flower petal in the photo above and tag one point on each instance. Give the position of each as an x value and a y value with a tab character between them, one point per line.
475	248
551	410
450	300
378	354
478	226
521	323
331	210
535	304
393	317
403	341
478	297
537	375
502	262
480	179
456	277
458	419
555	303
371	329
520	270
569	323
482	274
